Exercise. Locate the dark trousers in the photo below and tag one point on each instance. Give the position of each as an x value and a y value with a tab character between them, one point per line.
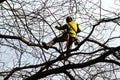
64	38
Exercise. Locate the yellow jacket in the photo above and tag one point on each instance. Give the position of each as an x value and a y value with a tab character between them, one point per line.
72	28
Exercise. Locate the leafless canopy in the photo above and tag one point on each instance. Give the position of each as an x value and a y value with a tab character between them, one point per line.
24	24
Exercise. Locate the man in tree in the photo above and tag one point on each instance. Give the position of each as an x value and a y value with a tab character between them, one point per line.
71	29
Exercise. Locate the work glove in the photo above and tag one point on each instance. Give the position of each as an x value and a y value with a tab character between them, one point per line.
56	27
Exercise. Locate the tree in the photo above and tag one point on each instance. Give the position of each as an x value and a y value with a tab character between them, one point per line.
25	24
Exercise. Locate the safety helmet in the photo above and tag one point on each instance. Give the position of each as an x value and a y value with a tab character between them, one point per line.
68	19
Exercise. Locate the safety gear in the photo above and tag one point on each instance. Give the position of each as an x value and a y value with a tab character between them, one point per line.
76	42
68	19
72	29
67	41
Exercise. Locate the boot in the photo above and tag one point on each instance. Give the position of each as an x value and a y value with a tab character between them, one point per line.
47	45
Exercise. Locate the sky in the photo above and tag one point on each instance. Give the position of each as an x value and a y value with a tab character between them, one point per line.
106	4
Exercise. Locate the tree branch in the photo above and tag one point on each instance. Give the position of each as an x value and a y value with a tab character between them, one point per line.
112	61
21	39
39	75
69	75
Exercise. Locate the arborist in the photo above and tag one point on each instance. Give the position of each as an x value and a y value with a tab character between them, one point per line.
71	29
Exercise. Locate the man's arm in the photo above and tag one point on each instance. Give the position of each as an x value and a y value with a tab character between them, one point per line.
61	27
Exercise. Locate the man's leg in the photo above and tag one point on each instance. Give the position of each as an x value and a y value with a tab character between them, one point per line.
71	40
55	40
47	45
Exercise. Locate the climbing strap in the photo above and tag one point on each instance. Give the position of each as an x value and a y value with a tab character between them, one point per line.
67	41
72	27
76	41
67	38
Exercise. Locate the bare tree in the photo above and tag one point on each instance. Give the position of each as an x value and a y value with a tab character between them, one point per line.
25	24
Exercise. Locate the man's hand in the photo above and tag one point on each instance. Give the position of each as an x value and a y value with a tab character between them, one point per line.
57	27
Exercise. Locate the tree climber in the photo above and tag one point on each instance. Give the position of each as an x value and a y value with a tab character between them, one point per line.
71	29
